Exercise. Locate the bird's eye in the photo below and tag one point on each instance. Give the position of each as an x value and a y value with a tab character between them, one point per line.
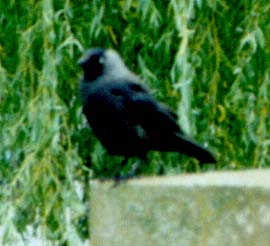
136	87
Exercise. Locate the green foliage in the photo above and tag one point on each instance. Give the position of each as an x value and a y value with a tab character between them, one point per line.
209	60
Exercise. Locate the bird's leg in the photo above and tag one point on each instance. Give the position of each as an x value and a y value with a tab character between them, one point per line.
122	164
118	178
134	168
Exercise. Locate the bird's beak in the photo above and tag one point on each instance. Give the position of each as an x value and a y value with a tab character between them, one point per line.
81	62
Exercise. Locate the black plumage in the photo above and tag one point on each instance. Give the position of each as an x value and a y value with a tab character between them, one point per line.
124	116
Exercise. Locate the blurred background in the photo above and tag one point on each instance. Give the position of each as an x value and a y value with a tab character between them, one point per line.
208	59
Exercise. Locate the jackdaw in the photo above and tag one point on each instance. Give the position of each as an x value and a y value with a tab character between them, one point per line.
124	116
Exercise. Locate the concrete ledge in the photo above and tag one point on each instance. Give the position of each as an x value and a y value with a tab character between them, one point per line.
218	208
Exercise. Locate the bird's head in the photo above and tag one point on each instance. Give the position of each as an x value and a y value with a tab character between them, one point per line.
92	63
98	62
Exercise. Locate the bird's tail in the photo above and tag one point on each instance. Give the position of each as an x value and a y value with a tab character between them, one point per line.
190	148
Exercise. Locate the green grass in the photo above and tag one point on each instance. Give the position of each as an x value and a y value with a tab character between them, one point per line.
209	60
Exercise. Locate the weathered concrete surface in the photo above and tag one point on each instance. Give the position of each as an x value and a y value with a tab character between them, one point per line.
213	209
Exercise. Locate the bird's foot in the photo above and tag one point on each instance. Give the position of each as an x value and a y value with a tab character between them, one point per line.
131	174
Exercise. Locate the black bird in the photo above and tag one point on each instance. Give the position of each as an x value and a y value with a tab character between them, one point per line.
124	116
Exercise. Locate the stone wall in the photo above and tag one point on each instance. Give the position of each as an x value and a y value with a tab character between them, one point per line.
217	208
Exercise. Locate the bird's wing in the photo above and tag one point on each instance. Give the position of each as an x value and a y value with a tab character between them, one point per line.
150	114
160	125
